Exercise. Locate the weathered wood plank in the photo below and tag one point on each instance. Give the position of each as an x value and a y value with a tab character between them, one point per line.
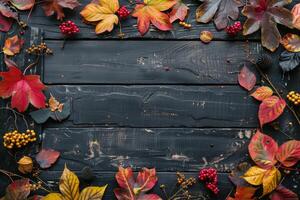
159	106
167	149
146	62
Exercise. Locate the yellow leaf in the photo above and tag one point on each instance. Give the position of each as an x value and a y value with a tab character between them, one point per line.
271	180
255	175
92	193
69	185
53	196
103	13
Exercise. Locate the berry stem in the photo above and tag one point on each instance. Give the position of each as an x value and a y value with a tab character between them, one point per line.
64	43
32	64
15	115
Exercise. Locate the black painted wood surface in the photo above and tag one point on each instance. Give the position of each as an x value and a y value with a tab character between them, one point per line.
164	100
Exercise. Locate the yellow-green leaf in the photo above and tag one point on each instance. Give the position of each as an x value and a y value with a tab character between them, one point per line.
271	180
92	193
53	196
255	175
69	185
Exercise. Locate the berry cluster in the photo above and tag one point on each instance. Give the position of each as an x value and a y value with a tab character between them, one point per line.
185	25
34	186
123	12
18	140
234	29
68	28
294	97
40	49
209	176
185	183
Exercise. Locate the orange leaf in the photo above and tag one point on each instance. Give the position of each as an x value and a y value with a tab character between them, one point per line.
291	42
103	13
262	92
179	11
289	153
262	149
151	12
12	45
270	109
243	193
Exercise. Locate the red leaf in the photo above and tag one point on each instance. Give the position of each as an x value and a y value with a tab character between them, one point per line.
131	190
262	149
262	93
146	179
289	153
18	190
47	157
56	6
23	89
5	23
9	63
23	4
13	45
282	193
270	109
179	11
247	79
243	193
6	11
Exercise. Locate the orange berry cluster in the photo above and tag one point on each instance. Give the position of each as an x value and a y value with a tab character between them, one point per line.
41	49
185	25
18	140
294	97
34	186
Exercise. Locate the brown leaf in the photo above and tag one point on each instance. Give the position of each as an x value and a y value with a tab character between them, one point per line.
296	16
291	42
247	79
13	45
56	6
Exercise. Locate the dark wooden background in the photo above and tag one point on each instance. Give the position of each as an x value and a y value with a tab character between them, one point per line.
164	100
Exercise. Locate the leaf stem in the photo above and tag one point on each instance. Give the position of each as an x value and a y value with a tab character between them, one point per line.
32	65
15	115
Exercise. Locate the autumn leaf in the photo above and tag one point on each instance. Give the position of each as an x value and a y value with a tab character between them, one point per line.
179	11
262	93
271	180
221	10
7	11
5	23
103	13
17	190
263	14
135	190
288	61
244	193
69	188
255	175
13	45
282	193
296	16
289	153
47	157
246	78
270	109
151	12
23	4
262	149
56	6
291	42
23	89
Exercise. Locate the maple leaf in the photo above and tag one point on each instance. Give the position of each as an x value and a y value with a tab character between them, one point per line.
151	12
12	45
103	13
262	93
262	149
243	193
23	89
270	109
179	11
246	78
56	6
264	14
222	10
135	190
282	193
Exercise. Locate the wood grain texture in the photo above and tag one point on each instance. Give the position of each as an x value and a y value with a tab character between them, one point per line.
146	62
159	106
167	149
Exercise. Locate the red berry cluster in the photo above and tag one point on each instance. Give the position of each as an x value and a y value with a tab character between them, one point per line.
68	28
209	176
234	29
123	12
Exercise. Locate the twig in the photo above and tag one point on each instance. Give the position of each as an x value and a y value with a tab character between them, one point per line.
32	65
15	115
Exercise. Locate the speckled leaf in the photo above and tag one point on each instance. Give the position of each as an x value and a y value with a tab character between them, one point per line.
289	153
270	109
262	149
262	93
